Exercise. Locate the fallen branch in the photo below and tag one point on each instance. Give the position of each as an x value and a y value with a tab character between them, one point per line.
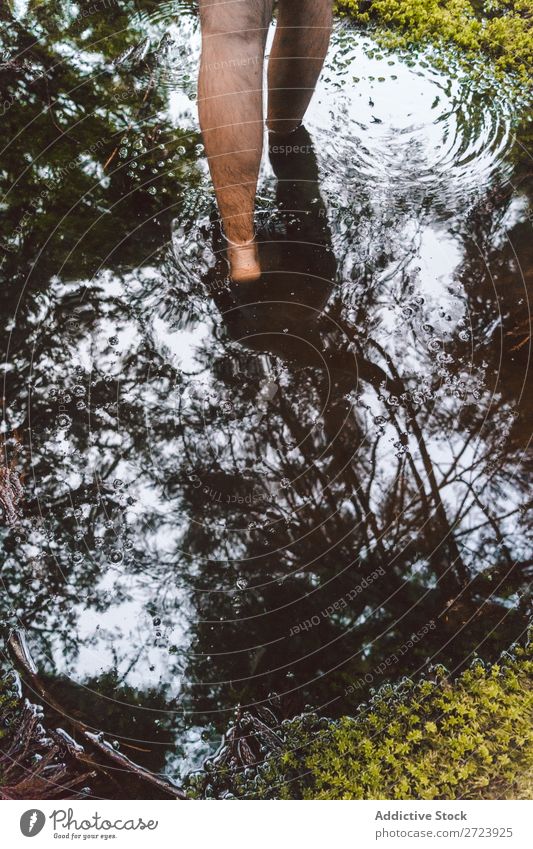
21	654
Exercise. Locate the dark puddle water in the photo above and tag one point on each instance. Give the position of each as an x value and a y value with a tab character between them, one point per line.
282	494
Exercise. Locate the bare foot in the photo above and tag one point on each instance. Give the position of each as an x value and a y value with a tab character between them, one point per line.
244	262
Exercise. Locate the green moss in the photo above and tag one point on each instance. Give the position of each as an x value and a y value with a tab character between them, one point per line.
472	739
500	29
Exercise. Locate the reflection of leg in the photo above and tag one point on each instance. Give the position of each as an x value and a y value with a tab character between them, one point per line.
297	57
294	163
230	104
306	247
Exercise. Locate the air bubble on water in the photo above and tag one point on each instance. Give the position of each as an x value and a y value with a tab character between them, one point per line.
241	584
98	542
152	190
464	336
63	421
123	152
181	151
113	340
117	483
79	391
156	621
285	483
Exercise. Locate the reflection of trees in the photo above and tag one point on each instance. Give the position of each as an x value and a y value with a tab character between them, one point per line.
86	144
235	496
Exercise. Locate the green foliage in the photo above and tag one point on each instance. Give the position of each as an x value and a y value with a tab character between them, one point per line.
502	29
430	740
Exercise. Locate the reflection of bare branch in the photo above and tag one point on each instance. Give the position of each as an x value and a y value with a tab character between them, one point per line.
474	528
430	474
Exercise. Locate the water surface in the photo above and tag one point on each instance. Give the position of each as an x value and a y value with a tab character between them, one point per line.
281	494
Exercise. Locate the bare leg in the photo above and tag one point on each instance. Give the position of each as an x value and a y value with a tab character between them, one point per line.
230	102
298	53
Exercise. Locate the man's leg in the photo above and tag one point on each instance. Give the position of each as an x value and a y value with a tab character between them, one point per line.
230	102
297	56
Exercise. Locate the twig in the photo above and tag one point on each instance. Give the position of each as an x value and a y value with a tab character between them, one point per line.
19	648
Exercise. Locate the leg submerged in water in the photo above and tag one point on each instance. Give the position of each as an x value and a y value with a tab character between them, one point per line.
230	100
230	103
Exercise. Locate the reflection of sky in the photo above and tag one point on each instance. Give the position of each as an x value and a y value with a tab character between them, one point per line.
129	634
414	138
416	144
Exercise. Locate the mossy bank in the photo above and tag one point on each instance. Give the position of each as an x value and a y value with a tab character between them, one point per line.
502	30
434	739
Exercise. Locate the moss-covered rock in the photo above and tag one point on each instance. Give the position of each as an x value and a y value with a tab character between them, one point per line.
472	739
501	29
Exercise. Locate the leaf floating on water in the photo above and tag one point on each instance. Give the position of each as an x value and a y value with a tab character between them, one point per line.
133	55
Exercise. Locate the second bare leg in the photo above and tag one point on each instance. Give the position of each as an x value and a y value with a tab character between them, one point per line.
300	46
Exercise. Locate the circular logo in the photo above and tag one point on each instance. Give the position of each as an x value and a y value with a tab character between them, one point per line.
32	822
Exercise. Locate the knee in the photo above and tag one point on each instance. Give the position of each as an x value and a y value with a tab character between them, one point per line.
243	22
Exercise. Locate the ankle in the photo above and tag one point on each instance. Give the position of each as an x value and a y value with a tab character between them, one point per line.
282	127
241	243
244	262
